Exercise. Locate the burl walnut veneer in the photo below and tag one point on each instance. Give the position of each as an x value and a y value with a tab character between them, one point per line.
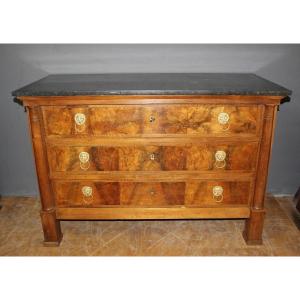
152	146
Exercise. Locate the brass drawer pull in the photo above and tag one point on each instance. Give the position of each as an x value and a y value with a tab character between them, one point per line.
84	160
87	192
151	119
223	119
79	119
218	193
220	159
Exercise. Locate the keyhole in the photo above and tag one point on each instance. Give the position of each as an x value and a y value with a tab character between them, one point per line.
151	119
152	156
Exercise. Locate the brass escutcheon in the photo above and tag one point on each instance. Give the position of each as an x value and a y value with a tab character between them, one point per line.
218	193
220	157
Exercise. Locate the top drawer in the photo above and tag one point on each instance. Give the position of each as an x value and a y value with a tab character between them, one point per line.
152	120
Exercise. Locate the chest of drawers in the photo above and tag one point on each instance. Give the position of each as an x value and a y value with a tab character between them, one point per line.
152	146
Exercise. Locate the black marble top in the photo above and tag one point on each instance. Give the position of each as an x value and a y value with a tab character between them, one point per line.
152	84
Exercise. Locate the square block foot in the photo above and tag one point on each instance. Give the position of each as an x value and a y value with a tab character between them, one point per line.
53	243
252	242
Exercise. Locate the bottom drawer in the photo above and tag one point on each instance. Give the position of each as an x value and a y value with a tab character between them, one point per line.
151	194
217	192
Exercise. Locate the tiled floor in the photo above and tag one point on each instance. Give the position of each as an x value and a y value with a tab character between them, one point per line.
21	234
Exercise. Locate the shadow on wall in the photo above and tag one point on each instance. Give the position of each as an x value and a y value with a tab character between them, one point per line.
17	175
118	58
284	172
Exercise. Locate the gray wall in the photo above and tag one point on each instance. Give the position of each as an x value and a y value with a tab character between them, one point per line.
22	64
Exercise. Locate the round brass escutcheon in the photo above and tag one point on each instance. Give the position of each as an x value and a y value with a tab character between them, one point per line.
84	157
79	118
217	190
87	191
218	193
84	160
220	155
223	118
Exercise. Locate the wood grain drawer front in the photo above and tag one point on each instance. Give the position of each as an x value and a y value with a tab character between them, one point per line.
77	194
152	194
217	193
93	194
203	157
150	120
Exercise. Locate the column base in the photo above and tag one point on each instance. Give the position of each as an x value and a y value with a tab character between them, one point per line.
51	228
251	242
52	244
254	227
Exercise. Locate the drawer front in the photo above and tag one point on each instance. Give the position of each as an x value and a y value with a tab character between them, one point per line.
93	194
203	157
149	120
86	194
217	193
152	194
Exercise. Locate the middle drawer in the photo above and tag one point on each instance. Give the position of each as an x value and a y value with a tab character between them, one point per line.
202	157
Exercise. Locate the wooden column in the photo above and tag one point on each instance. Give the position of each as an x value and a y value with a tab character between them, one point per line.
254	225
51	226
297	198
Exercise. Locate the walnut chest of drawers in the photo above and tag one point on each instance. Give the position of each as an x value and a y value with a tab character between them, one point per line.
152	146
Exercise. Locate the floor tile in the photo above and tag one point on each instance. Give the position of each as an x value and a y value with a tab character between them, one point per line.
21	234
